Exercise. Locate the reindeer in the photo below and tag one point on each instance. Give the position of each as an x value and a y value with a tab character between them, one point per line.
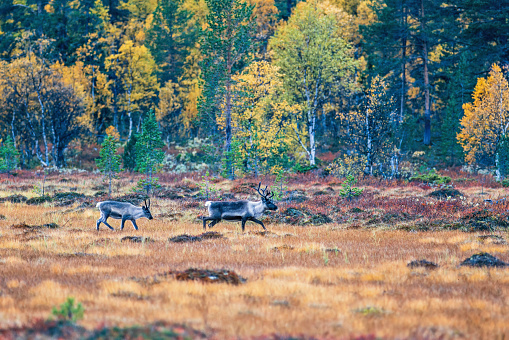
240	211
122	210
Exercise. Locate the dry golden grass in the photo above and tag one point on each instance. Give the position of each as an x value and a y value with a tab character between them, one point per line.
325	281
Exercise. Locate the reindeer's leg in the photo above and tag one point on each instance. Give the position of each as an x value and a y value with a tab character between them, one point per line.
99	221
134	224
123	222
205	219
213	223
259	222
109	226
244	220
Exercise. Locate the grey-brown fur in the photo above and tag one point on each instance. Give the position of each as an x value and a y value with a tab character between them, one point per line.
242	211
122	210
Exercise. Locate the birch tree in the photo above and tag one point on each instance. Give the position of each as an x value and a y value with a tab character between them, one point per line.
135	67
373	128
486	120
45	110
315	61
261	124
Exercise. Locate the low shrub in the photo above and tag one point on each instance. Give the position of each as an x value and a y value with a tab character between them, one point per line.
432	177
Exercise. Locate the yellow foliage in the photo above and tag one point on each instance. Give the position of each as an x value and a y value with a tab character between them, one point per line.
49	9
111	131
89	84
265	13
135	67
168	100
347	165
486	119
190	89
260	119
348	28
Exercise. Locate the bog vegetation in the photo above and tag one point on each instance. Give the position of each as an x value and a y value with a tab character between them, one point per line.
409	260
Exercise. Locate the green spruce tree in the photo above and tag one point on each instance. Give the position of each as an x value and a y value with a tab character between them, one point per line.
8	155
108	161
170	39
129	155
149	156
226	46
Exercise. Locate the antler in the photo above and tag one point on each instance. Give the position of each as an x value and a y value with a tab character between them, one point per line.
263	193
147	205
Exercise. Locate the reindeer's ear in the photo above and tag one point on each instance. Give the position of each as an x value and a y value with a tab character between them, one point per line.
148	203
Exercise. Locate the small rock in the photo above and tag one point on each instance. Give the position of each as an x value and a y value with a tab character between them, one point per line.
137	239
39	200
23	225
483	260
14	199
211	235
208	276
422	263
50	225
445	192
184	238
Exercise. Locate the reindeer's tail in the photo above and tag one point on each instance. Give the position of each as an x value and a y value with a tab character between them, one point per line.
98	204
208	203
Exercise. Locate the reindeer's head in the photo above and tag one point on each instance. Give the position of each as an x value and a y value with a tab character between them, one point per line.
146	210
266	198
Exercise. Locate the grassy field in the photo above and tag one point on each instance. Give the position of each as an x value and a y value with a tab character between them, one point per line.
342	279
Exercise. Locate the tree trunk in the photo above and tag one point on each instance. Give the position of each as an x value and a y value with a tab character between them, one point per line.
229	64
55	145
312	144
403	63
40	8
149	186
427	113
109	187
228	144
369	147
12	127
129	114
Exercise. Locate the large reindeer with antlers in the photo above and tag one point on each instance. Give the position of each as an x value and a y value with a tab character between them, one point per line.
240	210
122	210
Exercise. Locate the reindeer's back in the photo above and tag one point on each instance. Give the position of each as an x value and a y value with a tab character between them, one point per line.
229	208
114	206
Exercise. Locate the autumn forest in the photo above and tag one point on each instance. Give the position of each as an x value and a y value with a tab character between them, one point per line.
253	87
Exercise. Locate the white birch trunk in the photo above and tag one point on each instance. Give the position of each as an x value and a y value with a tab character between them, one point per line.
369	146
129	110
